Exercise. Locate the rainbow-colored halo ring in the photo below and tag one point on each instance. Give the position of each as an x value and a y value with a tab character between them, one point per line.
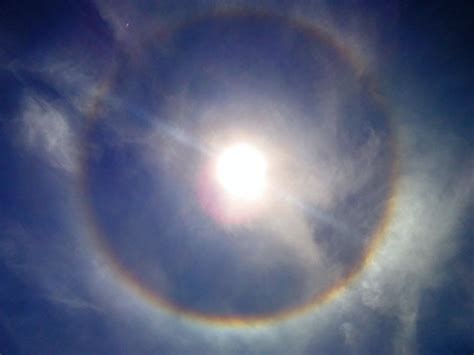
140	285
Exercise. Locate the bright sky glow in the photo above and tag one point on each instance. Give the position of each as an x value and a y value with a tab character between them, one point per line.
241	172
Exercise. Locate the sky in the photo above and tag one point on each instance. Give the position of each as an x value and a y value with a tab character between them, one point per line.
116	238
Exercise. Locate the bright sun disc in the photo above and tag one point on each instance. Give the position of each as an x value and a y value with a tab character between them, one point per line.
241	171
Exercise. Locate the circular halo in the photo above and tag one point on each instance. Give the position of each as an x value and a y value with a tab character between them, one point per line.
132	283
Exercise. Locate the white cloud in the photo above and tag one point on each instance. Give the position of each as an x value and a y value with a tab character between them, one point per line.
433	195
46	131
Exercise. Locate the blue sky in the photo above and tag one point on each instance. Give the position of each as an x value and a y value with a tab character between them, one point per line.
115	239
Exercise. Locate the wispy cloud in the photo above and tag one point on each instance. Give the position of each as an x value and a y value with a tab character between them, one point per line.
47	133
433	195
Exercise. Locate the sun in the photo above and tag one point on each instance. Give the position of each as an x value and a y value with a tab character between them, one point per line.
241	172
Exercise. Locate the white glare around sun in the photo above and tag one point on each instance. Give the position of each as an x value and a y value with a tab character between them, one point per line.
241	171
